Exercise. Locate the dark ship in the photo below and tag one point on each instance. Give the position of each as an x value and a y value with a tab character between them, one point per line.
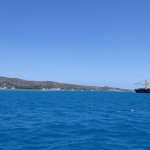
142	90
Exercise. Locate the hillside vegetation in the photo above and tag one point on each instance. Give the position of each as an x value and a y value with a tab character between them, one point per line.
15	83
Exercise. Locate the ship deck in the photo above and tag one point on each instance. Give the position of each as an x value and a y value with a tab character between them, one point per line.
142	90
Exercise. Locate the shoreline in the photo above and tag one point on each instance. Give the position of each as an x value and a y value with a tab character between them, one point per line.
62	90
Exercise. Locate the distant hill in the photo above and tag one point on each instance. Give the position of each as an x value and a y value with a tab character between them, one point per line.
15	83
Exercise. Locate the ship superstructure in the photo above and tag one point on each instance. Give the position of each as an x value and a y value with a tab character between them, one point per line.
142	90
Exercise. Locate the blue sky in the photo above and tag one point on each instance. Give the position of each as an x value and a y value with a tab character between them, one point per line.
90	42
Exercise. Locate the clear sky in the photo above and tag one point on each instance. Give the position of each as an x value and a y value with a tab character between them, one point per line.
90	42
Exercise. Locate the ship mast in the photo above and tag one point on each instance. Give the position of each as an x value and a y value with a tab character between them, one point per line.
146	83
142	90
139	83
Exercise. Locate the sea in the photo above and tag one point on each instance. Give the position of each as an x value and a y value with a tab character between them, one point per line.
74	120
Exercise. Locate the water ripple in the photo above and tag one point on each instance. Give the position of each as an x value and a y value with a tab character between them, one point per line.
32	120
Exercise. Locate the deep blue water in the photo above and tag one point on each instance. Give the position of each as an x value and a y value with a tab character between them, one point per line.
36	120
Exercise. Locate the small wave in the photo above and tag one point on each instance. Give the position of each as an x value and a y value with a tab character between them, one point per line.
132	110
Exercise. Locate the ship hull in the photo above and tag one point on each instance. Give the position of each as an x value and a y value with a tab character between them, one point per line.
142	90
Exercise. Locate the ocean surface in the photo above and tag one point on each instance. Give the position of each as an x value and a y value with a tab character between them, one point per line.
47	120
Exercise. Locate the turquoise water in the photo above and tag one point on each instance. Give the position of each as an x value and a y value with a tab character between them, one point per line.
36	120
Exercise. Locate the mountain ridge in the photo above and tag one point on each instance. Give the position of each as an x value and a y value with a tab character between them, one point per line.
17	83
